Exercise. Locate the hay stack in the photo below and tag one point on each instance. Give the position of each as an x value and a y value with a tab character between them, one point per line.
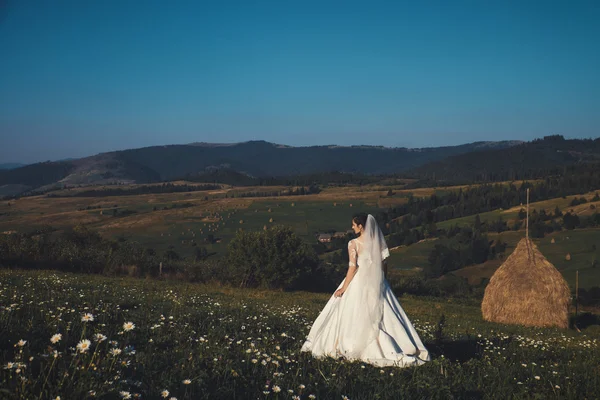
527	290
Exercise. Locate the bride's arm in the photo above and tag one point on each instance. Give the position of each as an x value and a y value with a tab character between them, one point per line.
352	268
349	275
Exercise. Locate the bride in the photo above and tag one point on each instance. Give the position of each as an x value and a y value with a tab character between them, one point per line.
363	320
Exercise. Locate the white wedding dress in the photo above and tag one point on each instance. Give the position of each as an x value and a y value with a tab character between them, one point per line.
341	329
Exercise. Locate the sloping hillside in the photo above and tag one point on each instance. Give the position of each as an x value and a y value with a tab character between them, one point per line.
254	159
542	157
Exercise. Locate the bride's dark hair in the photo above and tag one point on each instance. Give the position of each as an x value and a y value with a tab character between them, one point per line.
360	219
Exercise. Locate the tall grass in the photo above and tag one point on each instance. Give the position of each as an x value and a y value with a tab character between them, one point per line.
151	337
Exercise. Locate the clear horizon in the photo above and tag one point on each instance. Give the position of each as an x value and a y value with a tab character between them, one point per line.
81	78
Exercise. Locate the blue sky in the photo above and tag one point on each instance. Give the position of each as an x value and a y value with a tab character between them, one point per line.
82	77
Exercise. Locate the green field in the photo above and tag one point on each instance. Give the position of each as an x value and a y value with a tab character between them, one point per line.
411	257
305	218
489	216
202	342
512	213
583	245
579	244
179	226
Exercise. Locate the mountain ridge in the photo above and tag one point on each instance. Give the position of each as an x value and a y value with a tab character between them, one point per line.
550	153
262	159
11	165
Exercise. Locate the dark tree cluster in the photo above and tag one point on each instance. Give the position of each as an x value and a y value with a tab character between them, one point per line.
300	191
466	246
143	189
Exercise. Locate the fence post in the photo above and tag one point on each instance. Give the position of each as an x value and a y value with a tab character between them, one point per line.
576	293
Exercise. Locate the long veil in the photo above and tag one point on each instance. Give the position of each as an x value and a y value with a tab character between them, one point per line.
367	317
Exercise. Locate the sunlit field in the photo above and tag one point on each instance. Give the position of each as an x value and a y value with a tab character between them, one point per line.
512	213
582	245
183	220
78	336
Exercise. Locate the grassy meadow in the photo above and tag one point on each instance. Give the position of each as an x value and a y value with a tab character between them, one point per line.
91	337
512	213
583	246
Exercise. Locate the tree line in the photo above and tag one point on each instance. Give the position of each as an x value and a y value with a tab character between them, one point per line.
275	259
138	190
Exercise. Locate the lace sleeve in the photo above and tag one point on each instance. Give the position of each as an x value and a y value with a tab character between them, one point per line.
385	253
352	253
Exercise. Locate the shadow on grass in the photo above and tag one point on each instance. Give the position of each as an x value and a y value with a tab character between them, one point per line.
585	320
456	350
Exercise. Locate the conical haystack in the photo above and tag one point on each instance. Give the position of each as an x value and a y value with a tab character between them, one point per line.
527	290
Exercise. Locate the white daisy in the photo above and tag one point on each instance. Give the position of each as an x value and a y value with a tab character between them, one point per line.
87	317
84	346
128	326
98	337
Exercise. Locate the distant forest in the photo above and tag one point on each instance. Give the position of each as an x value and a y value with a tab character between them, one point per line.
235	178
577	179
144	189
540	158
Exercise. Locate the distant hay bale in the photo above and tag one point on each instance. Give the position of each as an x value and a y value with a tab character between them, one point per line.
241	221
553	241
568	257
270	219
527	290
264	228
350	204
